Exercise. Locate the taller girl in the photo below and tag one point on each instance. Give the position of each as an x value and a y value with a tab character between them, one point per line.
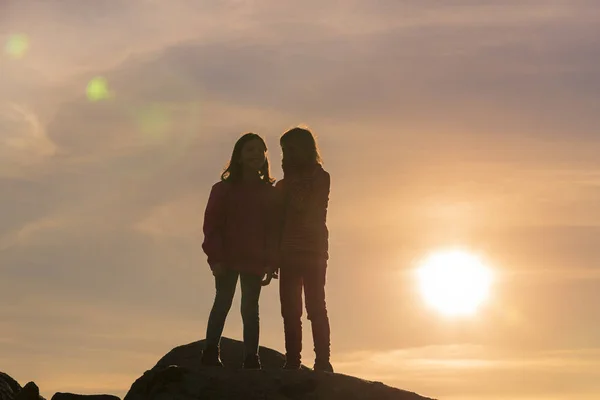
304	247
241	234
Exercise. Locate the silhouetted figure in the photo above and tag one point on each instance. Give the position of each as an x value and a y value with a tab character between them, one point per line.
240	240
304	246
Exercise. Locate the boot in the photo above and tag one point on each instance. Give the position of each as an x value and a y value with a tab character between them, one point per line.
252	361
210	357
292	362
321	338
323	366
293	343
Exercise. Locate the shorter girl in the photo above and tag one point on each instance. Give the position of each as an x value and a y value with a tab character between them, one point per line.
304	247
240	240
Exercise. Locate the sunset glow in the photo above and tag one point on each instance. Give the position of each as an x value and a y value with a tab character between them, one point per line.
463	222
455	283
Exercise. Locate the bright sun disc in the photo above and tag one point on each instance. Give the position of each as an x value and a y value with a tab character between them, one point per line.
454	282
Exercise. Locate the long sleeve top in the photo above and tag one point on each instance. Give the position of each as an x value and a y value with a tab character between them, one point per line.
305	237
241	226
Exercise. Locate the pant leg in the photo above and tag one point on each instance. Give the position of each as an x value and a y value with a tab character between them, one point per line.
290	295
225	285
251	287
316	310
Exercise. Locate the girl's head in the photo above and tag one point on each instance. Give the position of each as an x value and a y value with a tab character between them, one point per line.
299	148
249	156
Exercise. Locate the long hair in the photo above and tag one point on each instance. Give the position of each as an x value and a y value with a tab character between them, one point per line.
307	139
233	171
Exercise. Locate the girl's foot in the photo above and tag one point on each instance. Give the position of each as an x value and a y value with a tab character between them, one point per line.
323	366
210	357
251	362
292	363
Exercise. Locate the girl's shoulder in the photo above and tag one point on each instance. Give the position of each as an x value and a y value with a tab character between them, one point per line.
221	188
321	171
320	176
221	185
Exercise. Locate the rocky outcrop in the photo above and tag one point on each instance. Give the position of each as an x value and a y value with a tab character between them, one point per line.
179	376
11	390
29	392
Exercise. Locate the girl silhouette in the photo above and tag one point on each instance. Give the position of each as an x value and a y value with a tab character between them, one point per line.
304	247
240	240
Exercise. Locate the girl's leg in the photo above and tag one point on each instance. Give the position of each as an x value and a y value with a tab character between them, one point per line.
316	309
225	285
251	288
290	295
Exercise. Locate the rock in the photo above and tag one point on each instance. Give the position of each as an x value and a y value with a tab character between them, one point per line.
71	396
179	376
29	392
11	390
189	355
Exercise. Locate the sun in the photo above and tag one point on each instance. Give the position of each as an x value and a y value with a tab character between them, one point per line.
454	282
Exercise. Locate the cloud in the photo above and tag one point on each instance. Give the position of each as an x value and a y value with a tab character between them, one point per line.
471	371
441	75
461	122
471	357
177	219
24	234
23	139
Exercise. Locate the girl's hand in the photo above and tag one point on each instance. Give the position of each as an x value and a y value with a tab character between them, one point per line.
270	275
266	279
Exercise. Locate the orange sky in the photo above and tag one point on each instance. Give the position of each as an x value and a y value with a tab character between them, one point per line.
441	123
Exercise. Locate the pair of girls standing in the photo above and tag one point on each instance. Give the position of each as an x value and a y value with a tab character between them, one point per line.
253	230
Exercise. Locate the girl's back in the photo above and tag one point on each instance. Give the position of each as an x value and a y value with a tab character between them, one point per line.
306	200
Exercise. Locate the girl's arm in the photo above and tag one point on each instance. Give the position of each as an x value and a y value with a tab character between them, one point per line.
320	196
214	224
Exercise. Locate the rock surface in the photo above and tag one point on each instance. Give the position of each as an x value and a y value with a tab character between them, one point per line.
71	396
11	390
29	392
179	376
231	354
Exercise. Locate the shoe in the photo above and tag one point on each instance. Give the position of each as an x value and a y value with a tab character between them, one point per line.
323	366
292	363
252	361
210	357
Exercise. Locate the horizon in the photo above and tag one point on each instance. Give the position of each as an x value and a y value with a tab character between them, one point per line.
443	125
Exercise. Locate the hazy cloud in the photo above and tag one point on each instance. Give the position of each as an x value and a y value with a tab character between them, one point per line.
440	122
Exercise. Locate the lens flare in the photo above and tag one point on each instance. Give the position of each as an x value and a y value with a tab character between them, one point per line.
97	89
17	45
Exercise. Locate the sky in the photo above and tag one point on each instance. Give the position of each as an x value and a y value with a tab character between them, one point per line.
442	123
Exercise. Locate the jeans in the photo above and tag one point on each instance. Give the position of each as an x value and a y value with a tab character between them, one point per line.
291	282
225	285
